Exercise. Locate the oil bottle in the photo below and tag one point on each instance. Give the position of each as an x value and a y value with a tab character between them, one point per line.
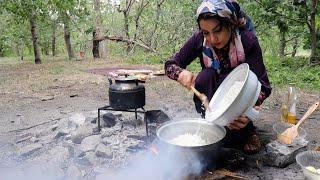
292	102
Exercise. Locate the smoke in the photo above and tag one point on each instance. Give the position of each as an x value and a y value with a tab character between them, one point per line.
169	163
31	171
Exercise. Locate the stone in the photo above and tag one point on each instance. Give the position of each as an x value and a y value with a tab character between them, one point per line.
47	98
61	133
54	127
59	154
109	119
30	149
90	143
73	172
104	151
156	116
92	158
77	119
80	133
91	120
281	155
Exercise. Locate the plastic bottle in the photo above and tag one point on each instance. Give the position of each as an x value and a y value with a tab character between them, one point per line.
292	102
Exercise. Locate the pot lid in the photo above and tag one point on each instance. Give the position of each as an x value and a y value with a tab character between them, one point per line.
126	79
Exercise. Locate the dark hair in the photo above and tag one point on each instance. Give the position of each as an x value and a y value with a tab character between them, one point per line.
208	15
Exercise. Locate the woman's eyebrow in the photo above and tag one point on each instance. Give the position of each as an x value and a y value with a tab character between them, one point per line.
217	27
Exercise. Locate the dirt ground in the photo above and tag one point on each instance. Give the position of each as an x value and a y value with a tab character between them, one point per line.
33	95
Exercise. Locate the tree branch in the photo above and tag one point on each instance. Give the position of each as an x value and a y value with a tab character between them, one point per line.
122	39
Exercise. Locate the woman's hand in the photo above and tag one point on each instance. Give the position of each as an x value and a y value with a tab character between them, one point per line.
186	79
239	123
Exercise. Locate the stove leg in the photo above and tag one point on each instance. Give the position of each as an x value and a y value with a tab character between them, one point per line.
135	111
146	121
99	128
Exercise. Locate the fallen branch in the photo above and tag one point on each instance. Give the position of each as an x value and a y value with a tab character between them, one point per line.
30	127
225	172
123	39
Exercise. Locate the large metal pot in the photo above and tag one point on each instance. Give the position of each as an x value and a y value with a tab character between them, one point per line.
241	102
126	93
212	133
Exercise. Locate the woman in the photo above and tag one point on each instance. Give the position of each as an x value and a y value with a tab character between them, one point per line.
224	40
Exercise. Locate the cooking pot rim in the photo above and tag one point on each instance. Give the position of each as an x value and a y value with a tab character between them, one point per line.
195	120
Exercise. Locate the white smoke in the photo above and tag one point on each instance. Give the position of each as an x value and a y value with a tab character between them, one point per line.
167	164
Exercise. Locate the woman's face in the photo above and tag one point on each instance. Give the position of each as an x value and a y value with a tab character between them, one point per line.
216	34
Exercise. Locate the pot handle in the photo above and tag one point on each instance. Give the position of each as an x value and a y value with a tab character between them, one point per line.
252	114
110	81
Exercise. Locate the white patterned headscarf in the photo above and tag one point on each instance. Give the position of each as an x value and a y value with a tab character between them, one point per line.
231	11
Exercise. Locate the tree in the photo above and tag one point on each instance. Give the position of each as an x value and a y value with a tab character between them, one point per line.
98	47
27	11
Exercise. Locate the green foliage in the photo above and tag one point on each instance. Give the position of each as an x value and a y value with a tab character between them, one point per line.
293	70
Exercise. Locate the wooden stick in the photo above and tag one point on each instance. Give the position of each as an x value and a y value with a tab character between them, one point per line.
225	172
203	98
30	127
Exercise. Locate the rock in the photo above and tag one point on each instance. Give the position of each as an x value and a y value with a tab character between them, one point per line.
107	132
104	151
61	133
90	143
30	149
80	133
54	127
109	119
74	95
47	98
77	119
73	172
92	120
92	158
59	155
280	155
156	116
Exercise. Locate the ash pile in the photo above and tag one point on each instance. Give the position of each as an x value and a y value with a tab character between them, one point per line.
72	147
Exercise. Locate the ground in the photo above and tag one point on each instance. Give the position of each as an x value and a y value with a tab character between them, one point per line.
33	96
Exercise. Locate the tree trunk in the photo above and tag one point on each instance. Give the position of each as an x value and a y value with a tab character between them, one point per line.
95	45
1	51
314	59
35	42
100	49
126	30
282	45
53	39
137	18
295	47
67	38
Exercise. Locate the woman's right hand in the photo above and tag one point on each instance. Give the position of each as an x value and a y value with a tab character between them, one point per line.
186	79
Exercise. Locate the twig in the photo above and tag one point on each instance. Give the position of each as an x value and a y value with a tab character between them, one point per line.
22	129
225	172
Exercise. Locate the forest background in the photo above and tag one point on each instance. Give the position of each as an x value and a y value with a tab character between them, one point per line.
150	31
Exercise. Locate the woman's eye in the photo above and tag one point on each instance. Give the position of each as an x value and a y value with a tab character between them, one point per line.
205	33
217	30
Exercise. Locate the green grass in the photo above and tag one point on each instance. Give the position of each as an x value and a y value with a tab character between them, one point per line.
57	69
293	70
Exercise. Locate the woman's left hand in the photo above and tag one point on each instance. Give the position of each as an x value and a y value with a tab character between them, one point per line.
239	123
